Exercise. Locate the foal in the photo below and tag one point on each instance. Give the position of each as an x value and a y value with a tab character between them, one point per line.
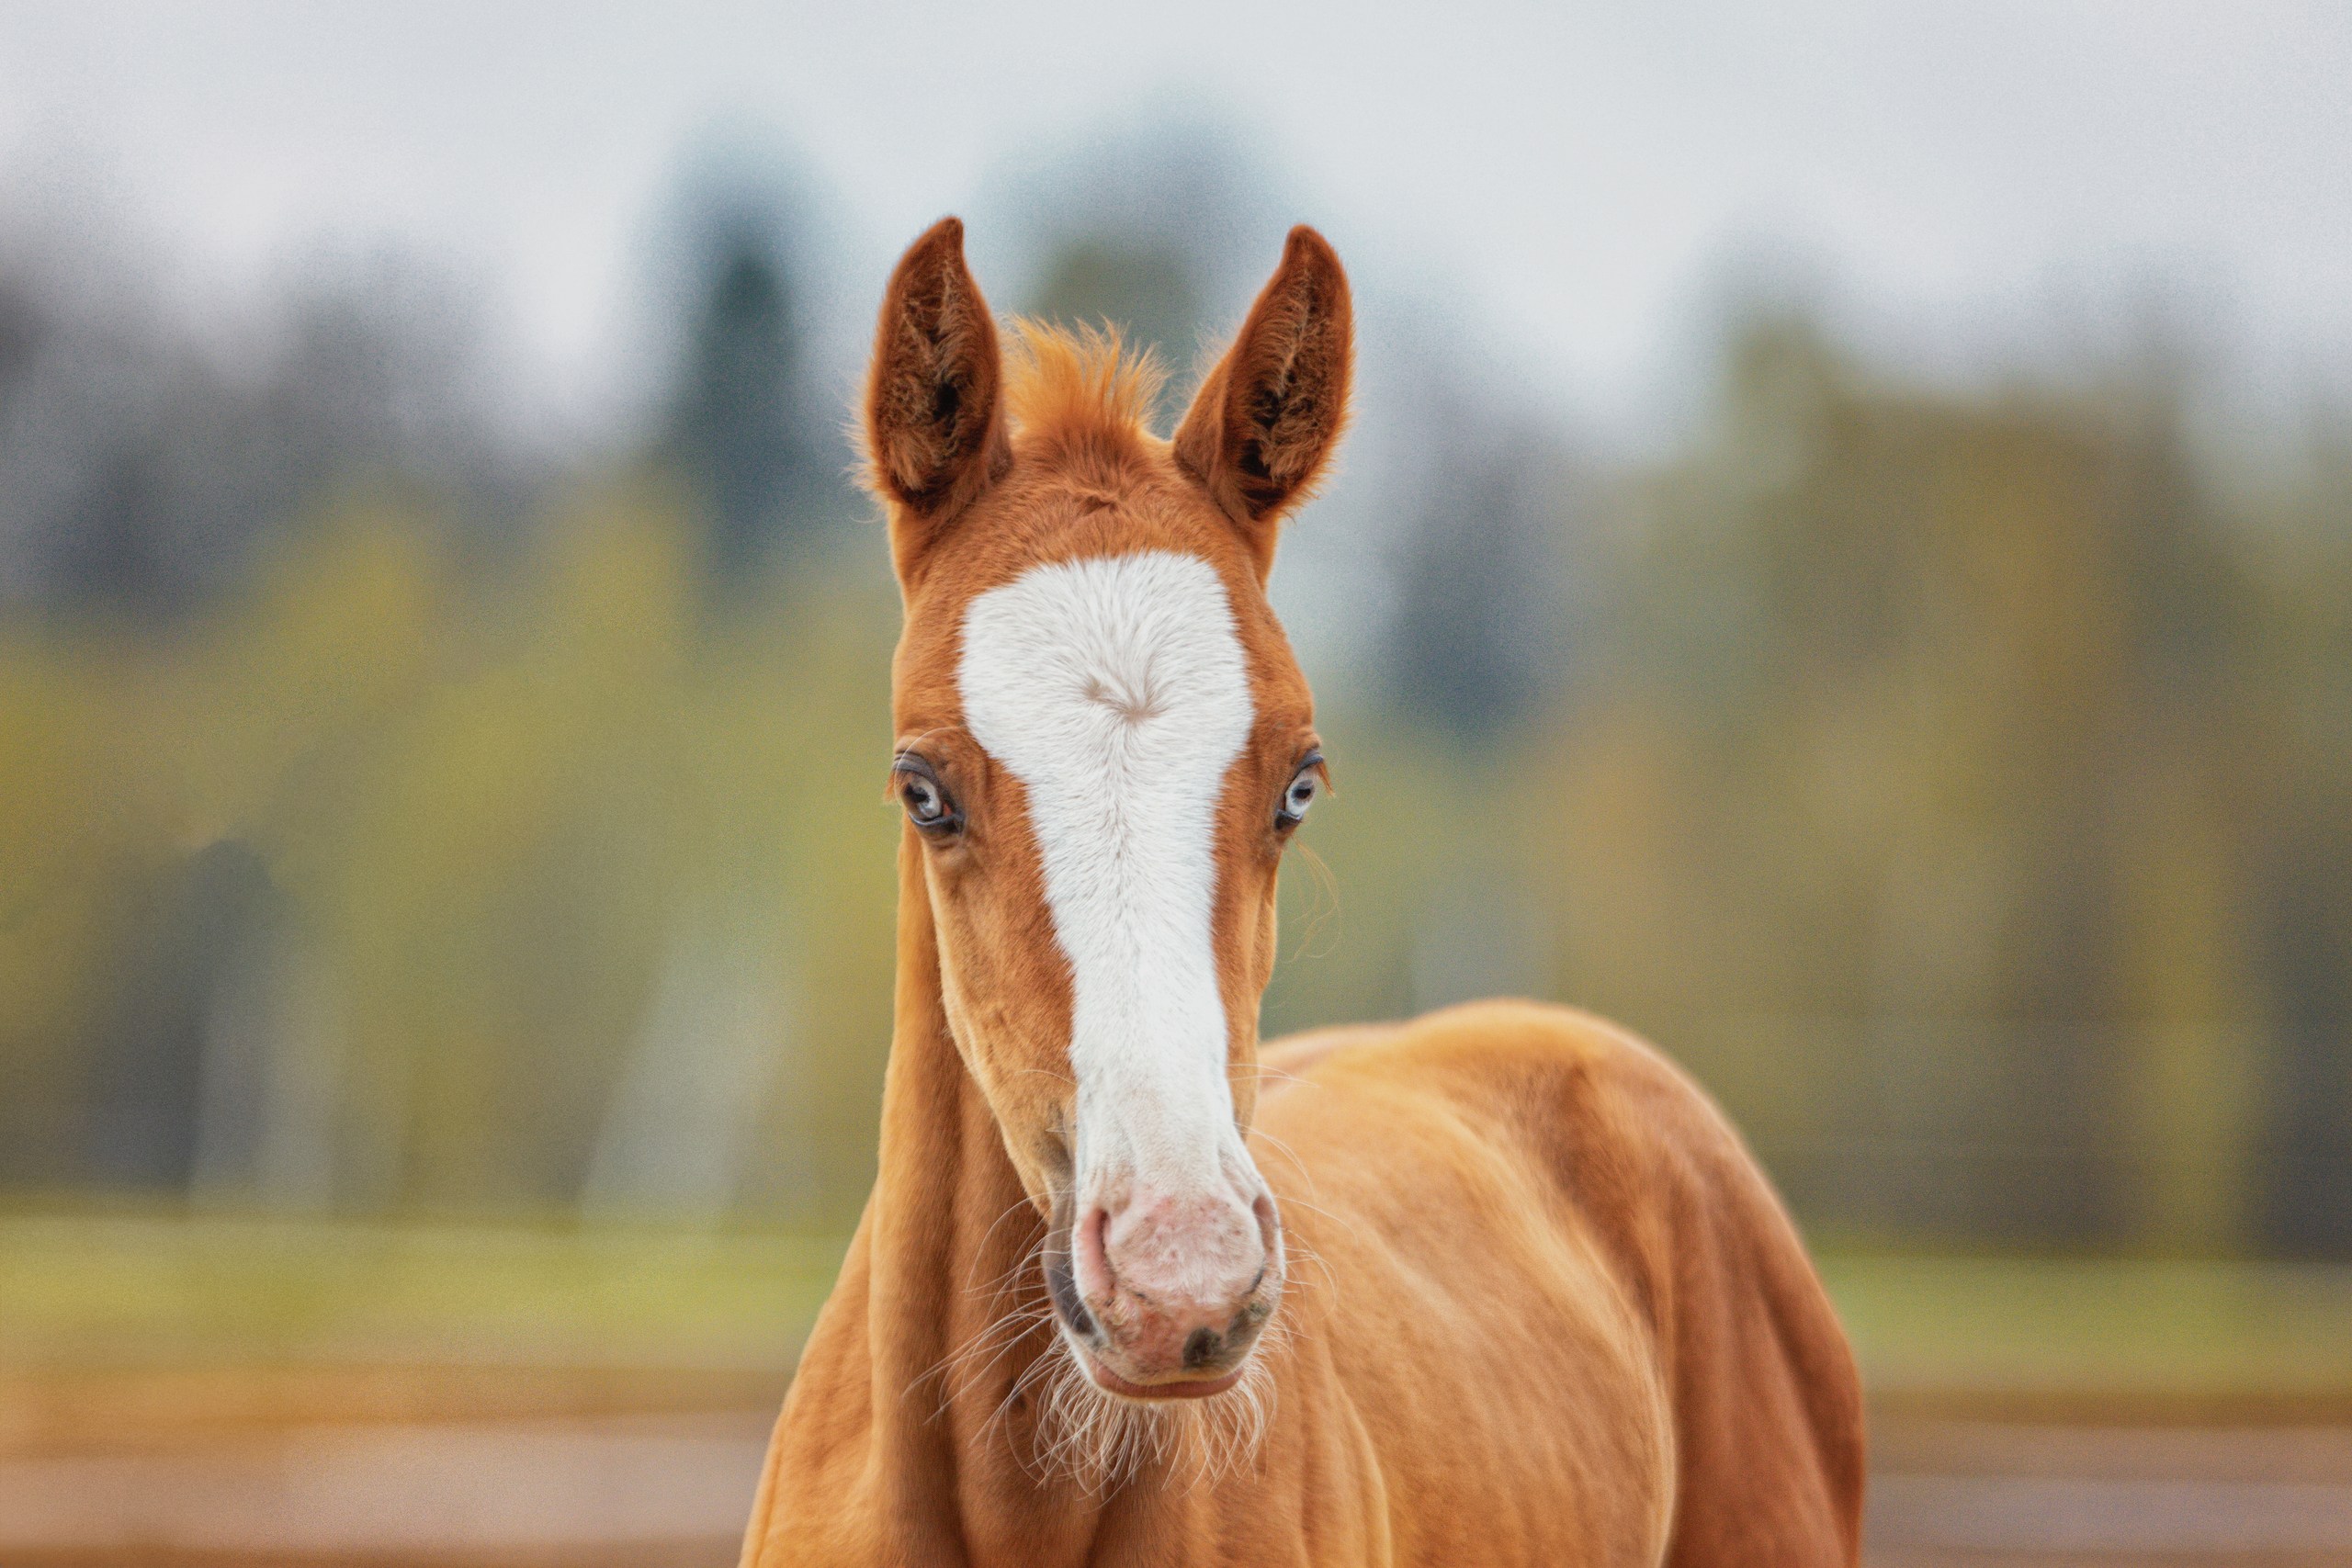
1497	1286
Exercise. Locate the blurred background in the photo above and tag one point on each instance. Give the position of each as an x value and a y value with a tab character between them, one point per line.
1844	563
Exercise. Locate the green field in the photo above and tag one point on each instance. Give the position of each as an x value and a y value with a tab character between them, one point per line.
127	1293
2096	1328
124	1293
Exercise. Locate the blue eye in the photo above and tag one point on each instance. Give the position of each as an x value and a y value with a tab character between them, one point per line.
1305	786
926	800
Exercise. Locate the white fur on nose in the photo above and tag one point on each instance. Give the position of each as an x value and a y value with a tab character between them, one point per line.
1115	689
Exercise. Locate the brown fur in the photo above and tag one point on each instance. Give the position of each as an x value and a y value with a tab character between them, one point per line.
933	420
1545	1307
1071	391
1266	421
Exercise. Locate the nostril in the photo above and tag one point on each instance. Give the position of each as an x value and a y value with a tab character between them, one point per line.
1090	1246
1201	1348
1270	1222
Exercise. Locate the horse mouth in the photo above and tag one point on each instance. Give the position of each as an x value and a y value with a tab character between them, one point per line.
1110	1382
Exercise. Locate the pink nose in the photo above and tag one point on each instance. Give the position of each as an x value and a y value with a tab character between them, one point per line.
1178	1284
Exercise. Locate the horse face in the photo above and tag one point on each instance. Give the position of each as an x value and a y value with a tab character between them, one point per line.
1103	745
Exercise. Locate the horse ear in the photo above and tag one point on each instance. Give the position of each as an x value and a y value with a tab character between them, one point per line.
1262	429
935	432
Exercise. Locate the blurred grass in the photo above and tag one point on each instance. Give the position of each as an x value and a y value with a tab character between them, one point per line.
117	1292
2045	1329
89	1293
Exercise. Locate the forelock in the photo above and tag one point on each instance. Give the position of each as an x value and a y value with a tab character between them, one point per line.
1082	388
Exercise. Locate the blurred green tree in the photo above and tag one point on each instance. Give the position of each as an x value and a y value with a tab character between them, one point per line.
748	430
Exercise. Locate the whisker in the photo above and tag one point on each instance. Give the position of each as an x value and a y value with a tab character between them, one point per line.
1282	1146
1326	911
1103	1443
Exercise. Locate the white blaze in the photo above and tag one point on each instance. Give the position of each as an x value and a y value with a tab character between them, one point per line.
1114	689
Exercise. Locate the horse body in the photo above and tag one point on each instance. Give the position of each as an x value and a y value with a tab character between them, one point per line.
1589	1334
1497	1286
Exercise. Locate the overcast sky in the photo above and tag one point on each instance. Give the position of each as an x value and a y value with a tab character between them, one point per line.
1578	179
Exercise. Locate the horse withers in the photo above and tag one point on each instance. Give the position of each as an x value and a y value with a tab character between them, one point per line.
1496	1286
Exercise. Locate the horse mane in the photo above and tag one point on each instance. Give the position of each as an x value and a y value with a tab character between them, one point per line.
1081	389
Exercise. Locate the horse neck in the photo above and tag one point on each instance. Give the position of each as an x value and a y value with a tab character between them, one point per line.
950	1256
951	1222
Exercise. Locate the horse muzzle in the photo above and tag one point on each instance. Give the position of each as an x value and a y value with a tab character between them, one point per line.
1164	1295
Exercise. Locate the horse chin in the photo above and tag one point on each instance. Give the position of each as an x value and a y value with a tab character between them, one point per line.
1092	1431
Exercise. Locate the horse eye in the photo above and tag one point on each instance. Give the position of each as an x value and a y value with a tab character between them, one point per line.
927	804
1304	786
